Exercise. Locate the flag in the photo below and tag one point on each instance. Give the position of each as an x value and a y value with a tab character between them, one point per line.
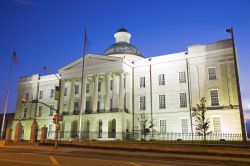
229	30
14	57
45	68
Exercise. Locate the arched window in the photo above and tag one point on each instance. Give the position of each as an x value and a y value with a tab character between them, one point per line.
62	130
74	126
100	129
87	128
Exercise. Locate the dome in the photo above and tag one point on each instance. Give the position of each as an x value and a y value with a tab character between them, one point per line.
122	30
122	48
122	45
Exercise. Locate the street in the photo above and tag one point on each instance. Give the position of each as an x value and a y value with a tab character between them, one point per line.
21	157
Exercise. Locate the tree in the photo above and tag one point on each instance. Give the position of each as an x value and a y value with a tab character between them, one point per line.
145	126
143	122
202	124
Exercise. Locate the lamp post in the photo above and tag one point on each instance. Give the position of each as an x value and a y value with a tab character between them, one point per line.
243	128
58	91
57	97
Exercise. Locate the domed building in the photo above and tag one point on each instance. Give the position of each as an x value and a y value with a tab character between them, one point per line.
116	95
122	47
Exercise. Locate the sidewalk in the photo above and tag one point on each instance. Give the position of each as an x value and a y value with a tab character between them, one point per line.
171	154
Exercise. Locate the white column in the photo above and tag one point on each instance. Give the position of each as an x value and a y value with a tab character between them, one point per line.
95	94
115	90
107	97
72	96
61	107
83	102
121	92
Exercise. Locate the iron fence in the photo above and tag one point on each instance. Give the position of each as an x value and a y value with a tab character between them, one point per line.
138	136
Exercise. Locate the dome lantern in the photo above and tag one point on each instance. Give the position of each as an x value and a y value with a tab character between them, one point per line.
122	46
122	35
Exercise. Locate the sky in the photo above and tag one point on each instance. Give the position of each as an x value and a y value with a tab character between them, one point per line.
50	32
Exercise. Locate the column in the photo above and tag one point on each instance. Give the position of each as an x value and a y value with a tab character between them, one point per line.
115	92
107	97
95	94
83	102
121	92
61	109
72	96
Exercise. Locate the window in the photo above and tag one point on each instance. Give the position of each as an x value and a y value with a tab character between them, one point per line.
162	102
76	107
217	124
124	85
25	110
182	77
162	126
111	103
111	84
40	109
98	105
88	105
87	87
52	93
211	73
142	82
73	132
65	91
50	131
76	89
161	78
41	95
184	125
183	100
27	96
51	110
214	98
142	103
99	86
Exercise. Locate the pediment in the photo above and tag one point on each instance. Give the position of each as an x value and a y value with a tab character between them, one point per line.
90	60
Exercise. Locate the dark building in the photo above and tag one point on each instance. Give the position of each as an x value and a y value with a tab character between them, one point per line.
9	117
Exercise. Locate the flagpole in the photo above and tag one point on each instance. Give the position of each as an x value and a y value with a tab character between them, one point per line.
242	121
7	95
82	89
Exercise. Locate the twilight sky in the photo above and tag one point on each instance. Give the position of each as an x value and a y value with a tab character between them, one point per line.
50	32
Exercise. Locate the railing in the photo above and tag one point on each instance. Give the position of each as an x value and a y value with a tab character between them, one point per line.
137	136
90	111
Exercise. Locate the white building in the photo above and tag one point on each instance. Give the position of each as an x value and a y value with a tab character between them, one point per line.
122	84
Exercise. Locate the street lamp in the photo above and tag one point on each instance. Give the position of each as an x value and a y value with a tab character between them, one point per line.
243	128
56	118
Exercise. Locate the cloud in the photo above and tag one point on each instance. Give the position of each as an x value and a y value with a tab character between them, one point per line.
25	2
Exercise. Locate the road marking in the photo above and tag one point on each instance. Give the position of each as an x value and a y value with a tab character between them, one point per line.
135	164
53	160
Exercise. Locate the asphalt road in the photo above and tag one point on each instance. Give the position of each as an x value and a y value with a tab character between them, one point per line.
14	157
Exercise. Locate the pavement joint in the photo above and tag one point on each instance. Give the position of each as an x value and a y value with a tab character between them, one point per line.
54	161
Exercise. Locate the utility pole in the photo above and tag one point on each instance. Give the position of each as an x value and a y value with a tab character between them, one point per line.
243	127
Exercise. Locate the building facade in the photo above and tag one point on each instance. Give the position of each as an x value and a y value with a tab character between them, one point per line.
122	85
